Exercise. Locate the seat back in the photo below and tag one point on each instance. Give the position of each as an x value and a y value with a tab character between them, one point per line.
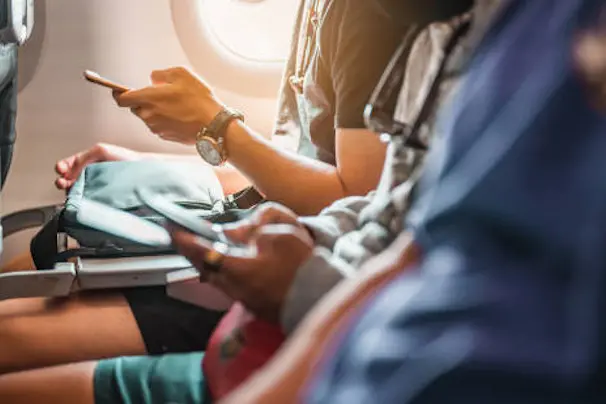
16	24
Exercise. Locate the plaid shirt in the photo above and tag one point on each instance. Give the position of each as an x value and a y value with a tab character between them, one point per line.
353	229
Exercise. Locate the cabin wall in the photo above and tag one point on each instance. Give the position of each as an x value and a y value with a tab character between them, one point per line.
59	113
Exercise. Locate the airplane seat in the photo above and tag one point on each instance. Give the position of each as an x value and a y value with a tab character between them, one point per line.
8	106
16	24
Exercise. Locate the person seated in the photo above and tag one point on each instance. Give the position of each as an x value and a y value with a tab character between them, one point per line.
324	107
356	41
498	292
321	102
286	264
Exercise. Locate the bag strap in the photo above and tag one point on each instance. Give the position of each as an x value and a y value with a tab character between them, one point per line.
44	246
244	199
462	25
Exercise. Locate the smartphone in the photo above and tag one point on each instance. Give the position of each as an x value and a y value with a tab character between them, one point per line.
96	78
183	217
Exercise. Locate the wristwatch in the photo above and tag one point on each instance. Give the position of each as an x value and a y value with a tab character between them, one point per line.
210	139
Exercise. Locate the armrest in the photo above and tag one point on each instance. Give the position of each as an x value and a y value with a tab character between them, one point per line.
52	283
27	219
181	280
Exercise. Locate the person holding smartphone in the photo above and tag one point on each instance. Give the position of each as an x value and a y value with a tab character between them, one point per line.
323	98
288	260
504	301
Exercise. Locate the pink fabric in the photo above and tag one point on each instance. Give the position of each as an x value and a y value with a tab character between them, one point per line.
239	346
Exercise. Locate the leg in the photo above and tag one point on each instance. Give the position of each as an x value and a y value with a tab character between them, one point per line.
69	384
22	262
43	332
142	379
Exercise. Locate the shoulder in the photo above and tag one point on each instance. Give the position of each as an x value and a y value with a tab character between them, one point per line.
367	12
367	24
397	14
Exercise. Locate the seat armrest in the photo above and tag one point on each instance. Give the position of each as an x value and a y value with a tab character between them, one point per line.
51	283
28	219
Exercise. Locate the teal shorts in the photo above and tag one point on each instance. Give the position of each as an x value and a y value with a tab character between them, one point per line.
163	379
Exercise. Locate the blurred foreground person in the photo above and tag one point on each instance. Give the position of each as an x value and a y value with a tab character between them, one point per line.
506	301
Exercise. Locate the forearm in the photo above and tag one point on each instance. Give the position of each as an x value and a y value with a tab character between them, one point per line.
302	184
231	179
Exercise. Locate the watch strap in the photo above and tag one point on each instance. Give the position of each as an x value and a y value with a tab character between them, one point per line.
216	127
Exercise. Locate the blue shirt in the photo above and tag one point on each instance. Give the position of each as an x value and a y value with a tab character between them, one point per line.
509	302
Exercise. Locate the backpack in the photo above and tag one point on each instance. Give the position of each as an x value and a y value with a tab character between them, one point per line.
115	184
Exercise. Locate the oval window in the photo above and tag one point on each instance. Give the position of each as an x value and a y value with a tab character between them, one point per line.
239	45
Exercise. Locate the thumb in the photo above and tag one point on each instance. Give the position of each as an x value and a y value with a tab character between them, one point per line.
273	213
240	231
190	246
267	213
283	239
166	76
159	77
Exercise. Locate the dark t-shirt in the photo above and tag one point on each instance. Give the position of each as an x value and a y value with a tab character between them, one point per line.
354	42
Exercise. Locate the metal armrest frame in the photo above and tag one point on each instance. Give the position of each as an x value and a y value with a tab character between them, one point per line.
180	278
27	219
67	278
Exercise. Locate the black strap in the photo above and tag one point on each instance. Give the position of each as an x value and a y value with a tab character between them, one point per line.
44	247
244	199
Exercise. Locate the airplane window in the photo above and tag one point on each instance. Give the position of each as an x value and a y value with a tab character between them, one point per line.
240	45
255	33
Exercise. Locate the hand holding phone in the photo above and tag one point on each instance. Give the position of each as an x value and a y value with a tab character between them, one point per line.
96	78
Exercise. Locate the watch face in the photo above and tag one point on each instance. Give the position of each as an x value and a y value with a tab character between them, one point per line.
208	149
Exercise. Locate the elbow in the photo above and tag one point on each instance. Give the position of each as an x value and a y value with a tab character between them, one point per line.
358	186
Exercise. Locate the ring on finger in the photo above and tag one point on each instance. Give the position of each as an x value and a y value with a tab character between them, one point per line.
213	259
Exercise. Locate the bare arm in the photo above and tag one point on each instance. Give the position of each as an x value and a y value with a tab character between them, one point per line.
69	168
303	184
281	380
351	57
